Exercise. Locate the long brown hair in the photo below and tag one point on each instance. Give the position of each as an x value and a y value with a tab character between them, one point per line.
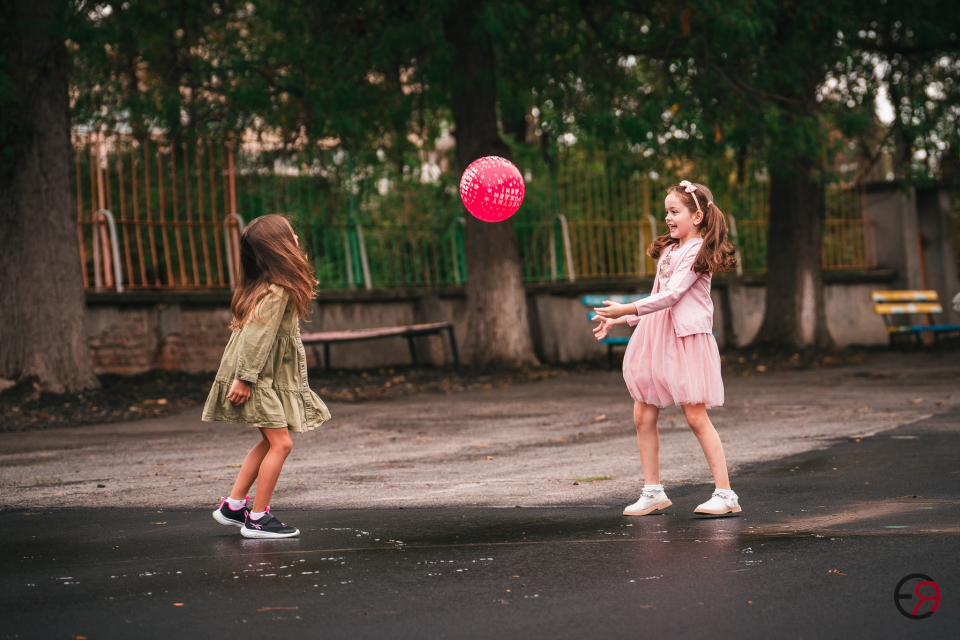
269	255
716	253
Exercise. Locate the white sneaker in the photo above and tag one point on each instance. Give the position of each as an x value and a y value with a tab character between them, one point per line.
720	502
648	502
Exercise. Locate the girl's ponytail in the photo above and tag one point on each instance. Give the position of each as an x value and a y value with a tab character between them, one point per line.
716	254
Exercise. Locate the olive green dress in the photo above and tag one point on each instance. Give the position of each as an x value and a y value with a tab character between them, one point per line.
267	353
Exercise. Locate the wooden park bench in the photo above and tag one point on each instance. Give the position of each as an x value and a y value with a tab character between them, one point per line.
326	338
597	301
894	305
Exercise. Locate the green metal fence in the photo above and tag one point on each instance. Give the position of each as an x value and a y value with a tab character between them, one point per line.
385	256
171	209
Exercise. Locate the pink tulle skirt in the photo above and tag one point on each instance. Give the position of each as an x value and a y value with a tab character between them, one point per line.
664	370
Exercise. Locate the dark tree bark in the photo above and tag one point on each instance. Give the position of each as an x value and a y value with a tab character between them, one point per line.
498	330
795	313
41	290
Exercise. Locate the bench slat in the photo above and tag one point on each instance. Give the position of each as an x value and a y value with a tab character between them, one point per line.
597	301
933	328
913	295
367	334
909	307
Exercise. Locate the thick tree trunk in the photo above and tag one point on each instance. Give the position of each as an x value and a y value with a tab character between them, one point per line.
498	330
41	290
795	313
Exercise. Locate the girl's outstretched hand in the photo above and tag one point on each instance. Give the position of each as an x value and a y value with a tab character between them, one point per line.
614	310
602	329
239	391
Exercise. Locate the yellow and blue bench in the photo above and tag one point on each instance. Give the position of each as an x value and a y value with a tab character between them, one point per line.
894	306
593	301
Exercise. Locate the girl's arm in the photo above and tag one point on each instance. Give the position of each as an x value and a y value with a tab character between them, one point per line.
680	282
258	334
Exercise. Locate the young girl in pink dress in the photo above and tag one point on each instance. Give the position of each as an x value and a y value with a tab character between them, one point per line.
672	357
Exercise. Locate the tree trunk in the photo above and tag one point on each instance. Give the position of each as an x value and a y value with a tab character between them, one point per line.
795	313
498	330
41	290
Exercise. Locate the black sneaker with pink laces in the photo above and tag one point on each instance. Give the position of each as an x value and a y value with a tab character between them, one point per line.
227	515
267	527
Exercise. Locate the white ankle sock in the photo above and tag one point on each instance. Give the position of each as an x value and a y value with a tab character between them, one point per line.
236	504
653	488
256	515
727	492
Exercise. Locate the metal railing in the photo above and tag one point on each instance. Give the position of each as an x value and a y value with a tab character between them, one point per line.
848	245
149	212
156	214
114	276
385	256
351	256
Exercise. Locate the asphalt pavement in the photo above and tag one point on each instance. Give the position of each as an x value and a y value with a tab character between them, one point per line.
531	444
822	543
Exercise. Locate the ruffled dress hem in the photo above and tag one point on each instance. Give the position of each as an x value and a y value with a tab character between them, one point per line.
300	410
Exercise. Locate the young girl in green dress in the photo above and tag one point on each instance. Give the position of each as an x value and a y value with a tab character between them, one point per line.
262	380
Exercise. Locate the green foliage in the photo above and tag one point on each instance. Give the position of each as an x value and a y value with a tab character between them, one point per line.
650	82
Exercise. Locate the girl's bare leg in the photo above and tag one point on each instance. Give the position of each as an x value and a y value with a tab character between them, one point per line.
648	439
250	469
699	422
280	445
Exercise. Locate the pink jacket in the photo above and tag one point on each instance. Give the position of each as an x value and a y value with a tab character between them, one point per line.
686	293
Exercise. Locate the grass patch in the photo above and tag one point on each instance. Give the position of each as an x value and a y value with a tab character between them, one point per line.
595	479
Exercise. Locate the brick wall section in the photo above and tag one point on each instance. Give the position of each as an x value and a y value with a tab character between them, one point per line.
203	336
122	340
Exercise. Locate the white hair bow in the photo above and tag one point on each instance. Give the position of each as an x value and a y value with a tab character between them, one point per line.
689	188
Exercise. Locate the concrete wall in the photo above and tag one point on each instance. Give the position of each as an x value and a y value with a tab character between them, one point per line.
130	335
747	304
938	256
893	209
850	315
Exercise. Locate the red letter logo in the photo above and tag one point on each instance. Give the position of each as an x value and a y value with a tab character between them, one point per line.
905	594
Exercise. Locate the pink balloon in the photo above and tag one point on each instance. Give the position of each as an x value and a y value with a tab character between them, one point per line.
492	189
